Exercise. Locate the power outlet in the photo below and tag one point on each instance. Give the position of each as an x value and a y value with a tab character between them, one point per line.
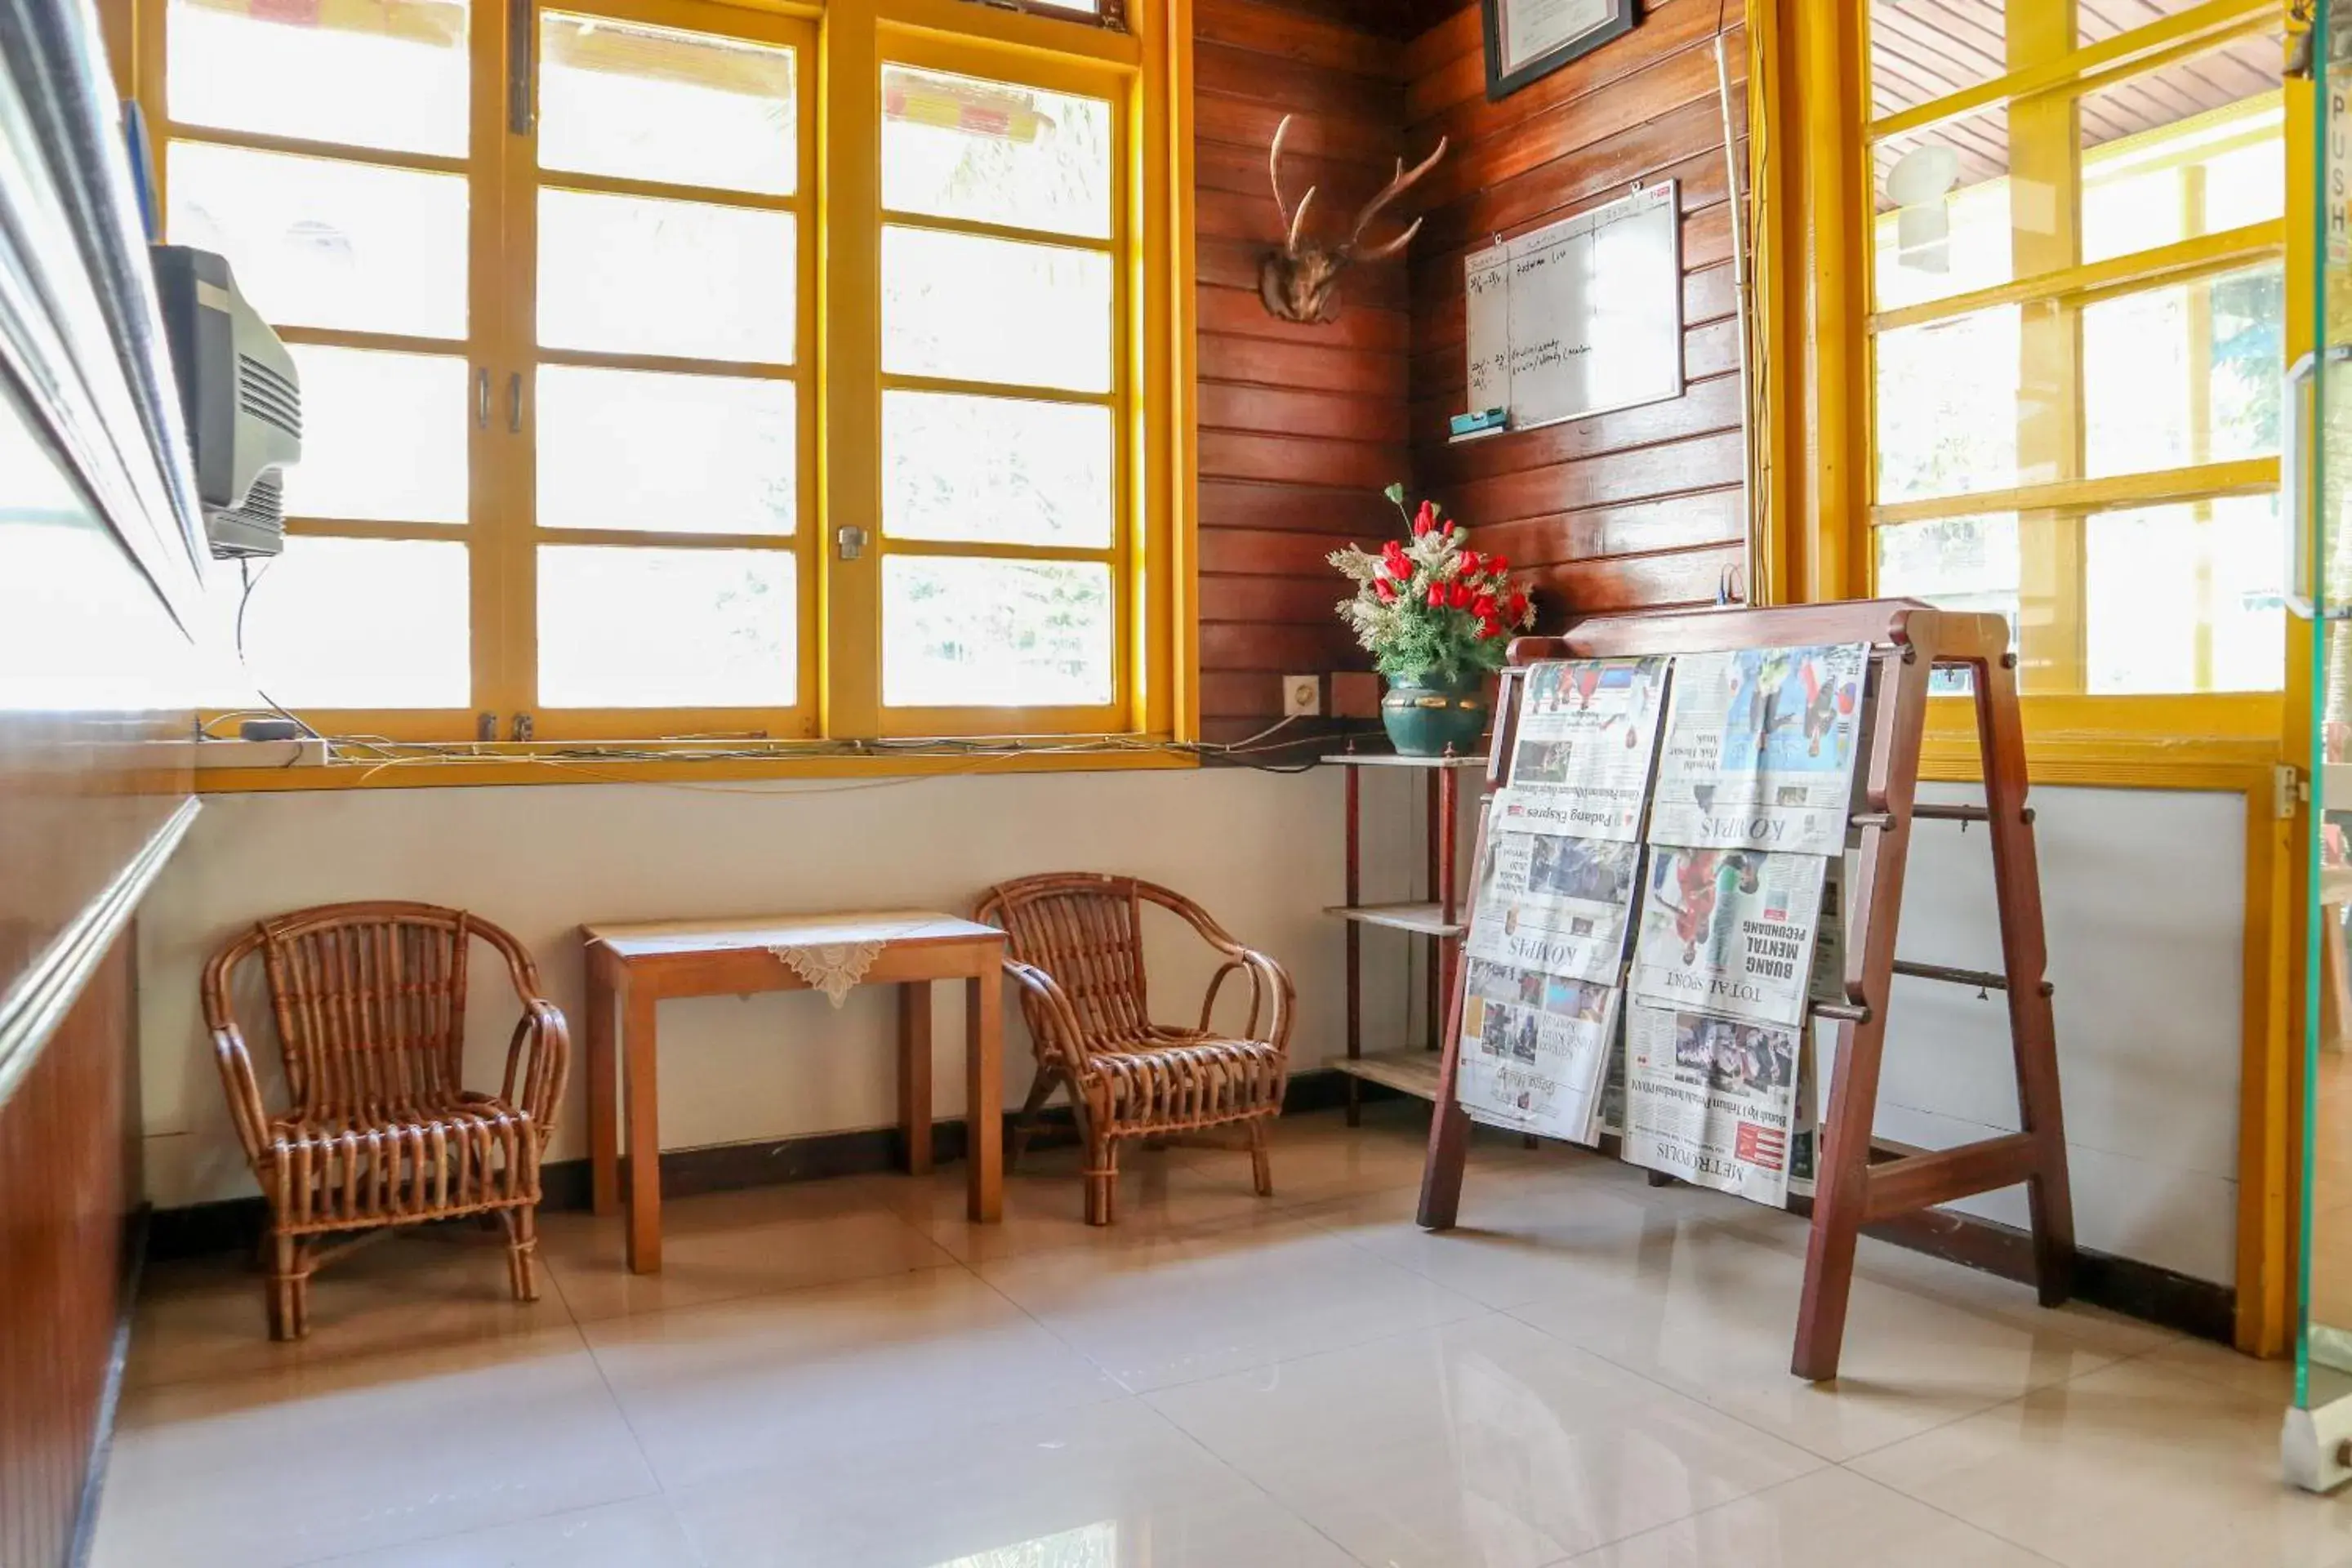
1302	696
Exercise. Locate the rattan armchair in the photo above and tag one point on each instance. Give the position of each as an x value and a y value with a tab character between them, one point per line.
1077	951
370	1005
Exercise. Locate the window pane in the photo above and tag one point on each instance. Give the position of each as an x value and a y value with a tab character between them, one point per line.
627	275
383	437
1945	223
626	627
993	310
318	242
2188	373
2192	149
995	633
996	469
994	151
360	622
1948	408
729	452
649	103
1924	50
2186	598
1957	563
388	74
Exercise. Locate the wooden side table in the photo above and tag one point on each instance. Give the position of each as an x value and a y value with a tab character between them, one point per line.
639	966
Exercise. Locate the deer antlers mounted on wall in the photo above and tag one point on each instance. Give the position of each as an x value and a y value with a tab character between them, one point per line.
1297	282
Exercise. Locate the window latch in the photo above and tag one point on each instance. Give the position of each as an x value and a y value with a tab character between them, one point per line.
852	542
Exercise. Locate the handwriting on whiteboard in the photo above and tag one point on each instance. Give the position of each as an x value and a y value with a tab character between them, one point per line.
1579	316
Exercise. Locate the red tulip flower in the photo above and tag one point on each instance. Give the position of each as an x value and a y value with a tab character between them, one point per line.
1381	586
1426	518
1482	606
1461	595
1437	595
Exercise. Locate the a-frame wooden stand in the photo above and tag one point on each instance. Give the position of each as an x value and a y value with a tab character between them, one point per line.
1859	1180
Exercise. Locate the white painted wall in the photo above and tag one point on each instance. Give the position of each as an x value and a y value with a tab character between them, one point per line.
2142	894
2142	890
1263	852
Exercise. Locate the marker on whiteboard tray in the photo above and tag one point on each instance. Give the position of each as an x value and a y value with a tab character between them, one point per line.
1484	422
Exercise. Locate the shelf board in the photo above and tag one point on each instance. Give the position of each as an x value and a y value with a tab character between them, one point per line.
1391	759
1409	1072
1428	918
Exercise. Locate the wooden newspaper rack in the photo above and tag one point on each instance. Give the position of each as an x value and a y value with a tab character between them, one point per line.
1859	1180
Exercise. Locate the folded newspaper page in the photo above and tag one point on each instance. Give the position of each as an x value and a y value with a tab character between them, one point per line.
1760	748
1555	903
1729	931
1532	1050
1713	1100
1588	729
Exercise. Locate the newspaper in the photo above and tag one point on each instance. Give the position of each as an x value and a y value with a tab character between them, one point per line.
1588	729
1729	931
1554	903
1760	748
1532	1050
1713	1100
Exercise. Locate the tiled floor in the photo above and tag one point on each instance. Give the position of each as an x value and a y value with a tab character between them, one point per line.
846	1373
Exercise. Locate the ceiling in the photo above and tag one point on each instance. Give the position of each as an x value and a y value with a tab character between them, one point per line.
1924	49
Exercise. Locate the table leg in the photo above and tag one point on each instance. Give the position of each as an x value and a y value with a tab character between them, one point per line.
915	1075
983	1012
637	1047
604	1113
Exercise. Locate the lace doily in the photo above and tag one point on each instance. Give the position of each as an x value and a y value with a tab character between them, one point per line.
831	967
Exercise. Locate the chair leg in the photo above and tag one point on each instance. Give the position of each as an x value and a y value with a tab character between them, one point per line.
1261	1167
523	1248
1102	1180
288	1298
1025	1125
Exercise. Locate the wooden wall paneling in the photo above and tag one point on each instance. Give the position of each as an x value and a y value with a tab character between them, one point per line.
65	1186
1635	509
1300	425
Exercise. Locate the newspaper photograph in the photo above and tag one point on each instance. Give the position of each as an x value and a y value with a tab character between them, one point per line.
1760	748
1558	904
1532	1050
1729	931
1713	1100
1588	729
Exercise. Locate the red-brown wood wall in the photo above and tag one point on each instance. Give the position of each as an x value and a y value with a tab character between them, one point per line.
1300	425
1636	510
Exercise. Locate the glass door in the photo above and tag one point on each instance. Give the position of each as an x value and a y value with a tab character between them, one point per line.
2318	473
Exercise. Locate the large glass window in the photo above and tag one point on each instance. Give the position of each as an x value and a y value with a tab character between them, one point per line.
2078	339
565	382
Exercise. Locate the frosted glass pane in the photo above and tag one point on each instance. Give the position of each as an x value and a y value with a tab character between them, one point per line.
383	437
628	627
653	103
390	73
360	622
2185	598
628	275
2191	372
995	633
955	146
959	306
996	469
681	454
318	242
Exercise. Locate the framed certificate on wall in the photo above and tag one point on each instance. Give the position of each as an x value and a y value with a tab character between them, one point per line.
1528	38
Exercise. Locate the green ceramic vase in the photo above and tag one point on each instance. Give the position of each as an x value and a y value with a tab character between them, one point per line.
1426	716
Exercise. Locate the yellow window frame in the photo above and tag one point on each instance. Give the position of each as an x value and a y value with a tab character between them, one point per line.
1143	71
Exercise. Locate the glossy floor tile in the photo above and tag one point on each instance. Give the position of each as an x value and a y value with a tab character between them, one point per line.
1483	1442
1586	1371
302	1463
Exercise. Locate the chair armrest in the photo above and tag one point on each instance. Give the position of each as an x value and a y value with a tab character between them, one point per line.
246	1111
1053	1022
1271	993
538	1058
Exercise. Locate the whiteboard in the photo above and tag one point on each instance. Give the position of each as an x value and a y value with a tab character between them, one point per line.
1580	316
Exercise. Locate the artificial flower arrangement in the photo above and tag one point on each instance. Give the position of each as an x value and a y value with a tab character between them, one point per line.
1434	610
